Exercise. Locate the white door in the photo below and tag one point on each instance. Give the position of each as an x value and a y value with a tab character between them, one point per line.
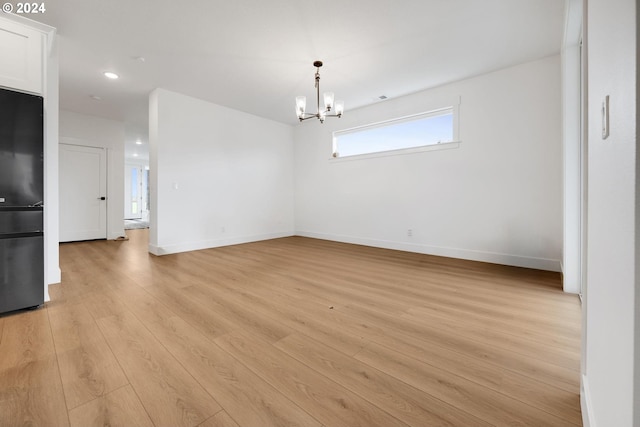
133	191
83	193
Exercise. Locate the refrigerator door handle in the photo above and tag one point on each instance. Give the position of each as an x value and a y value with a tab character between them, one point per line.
4	236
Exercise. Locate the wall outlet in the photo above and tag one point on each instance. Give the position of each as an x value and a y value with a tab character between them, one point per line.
410	232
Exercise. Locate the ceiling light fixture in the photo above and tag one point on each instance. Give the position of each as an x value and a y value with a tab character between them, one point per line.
301	102
138	142
110	75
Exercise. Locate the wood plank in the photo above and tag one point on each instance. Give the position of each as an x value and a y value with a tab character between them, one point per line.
26	338
441	342
104	304
404	402
31	394
119	408
459	283
324	399
234	309
297	317
558	337
486	404
244	395
281	308
167	391
30	387
221	419
537	369
426	285
569	359
196	312
560	401
88	368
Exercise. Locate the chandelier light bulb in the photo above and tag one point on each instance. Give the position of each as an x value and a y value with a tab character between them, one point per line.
328	100
339	107
301	105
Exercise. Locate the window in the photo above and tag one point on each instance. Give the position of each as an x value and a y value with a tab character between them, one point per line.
415	132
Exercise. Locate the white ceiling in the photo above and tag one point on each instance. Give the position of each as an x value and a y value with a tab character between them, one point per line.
257	55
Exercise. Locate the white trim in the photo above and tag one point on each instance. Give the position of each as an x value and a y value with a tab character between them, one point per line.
43	28
450	109
399	152
207	244
573	202
467	254
572	23
588	419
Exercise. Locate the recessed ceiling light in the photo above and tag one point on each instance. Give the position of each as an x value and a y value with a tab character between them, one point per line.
138	142
135	154
110	75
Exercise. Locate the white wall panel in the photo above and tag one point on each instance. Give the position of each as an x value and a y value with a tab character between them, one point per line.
218	176
496	198
612	299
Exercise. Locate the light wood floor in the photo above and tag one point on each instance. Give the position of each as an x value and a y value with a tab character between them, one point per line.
290	332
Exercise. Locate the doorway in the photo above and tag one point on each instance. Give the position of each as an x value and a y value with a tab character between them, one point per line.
83	193
135	191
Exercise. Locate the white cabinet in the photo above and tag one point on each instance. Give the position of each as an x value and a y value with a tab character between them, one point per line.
21	57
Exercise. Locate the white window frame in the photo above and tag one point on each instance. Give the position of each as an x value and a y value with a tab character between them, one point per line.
453	107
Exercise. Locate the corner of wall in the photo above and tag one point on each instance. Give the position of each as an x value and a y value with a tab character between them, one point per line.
588	419
52	234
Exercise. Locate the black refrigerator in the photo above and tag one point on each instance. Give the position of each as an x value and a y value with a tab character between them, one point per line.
21	201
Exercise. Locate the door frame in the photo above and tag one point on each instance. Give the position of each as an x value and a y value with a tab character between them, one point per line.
103	190
127	193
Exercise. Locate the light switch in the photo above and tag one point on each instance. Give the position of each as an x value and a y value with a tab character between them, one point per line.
605	117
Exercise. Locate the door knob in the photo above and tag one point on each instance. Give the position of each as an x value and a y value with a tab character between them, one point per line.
102	198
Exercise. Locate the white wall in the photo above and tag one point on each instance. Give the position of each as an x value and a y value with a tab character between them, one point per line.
612	293
51	208
217	176
91	131
136	132
496	198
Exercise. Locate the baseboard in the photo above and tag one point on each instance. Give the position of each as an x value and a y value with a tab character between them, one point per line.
214	243
52	279
54	276
588	419
472	255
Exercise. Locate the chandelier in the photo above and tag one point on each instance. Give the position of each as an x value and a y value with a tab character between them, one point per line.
329	104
